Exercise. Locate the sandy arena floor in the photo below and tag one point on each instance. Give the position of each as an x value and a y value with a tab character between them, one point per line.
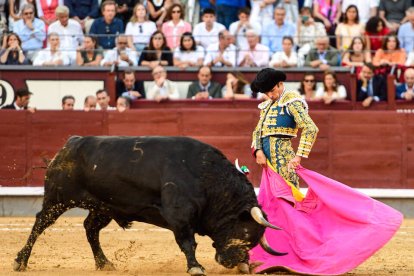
148	250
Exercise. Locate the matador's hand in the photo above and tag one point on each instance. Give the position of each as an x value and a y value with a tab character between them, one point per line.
261	158
294	163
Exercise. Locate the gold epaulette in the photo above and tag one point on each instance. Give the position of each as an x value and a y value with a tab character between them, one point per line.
264	104
290	97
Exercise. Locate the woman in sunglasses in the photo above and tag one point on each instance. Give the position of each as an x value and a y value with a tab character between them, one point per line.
157	53
308	87
139	29
175	26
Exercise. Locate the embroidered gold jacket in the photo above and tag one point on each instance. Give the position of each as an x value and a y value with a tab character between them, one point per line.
284	117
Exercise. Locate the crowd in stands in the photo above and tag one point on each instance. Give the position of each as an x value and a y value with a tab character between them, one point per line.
366	36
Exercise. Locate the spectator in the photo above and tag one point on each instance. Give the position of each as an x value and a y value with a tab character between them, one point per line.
357	54
11	52
15	9
390	53
46	10
286	58
237	87
329	12
291	8
239	28
158	10
204	88
331	90
274	32
130	87
107	26
52	55
188	53
31	31
405	90
406	32
308	86
262	11
253	54
366	8
157	53
123	104
84	12
323	56
370	87
89	54
89	103
21	101
222	53
121	55
68	102
139	29
393	12
163	89
175	26
227	11
124	9
103	99
69	30
206	32
375	31
308	31
349	28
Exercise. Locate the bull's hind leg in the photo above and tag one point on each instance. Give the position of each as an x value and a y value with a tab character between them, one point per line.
44	219
178	216
93	224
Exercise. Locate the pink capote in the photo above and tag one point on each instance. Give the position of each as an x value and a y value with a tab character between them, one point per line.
331	231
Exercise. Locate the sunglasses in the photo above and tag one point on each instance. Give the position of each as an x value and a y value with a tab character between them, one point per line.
309	80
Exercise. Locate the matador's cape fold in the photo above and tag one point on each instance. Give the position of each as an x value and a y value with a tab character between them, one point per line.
330	231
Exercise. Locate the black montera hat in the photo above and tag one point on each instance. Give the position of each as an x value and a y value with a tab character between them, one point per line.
266	79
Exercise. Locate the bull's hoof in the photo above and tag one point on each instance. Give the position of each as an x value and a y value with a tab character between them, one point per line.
18	266
243	268
197	271
107	267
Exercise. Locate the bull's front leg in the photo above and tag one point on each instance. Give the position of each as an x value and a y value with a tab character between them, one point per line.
186	241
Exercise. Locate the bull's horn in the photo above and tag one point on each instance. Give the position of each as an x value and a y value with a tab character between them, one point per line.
259	218
266	247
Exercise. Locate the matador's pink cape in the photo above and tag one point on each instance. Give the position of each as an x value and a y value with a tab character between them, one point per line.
330	231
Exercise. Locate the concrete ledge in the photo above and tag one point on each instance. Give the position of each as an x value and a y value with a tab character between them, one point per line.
27	201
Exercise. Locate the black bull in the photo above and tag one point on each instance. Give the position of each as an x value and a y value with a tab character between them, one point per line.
176	183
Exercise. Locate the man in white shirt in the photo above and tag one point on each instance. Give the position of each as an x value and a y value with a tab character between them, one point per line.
121	55
239	28
206	32
52	56
253	54
222	53
103	99
69	30
366	8
163	89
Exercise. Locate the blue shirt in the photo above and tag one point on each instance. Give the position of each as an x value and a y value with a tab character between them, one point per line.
106	33
31	39
406	36
83	8
205	4
272	35
233	3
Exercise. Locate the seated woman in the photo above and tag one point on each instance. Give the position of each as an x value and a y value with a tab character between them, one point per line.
12	53
237	87
188	53
287	57
390	53
175	26
308	87
52	56
349	28
331	90
375	31
357	54
89	54
157	53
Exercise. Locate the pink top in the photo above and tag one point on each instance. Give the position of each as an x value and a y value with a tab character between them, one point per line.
324	7
173	32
